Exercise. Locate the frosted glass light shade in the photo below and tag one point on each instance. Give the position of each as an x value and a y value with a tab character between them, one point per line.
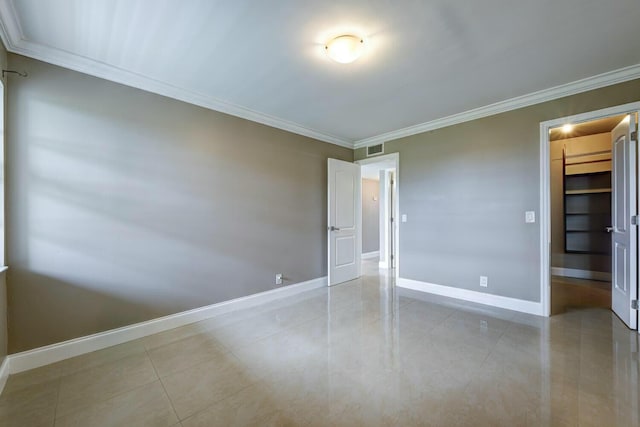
345	49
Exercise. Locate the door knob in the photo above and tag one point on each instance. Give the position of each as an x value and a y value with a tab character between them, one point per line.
609	229
332	228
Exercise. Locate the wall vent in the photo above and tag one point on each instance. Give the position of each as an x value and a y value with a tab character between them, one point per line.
375	150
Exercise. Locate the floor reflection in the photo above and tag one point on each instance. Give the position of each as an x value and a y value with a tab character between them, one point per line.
433	360
361	353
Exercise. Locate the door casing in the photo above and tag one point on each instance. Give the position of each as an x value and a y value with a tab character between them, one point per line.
395	159
545	190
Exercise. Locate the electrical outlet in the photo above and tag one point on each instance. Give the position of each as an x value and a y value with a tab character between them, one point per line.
484	281
279	279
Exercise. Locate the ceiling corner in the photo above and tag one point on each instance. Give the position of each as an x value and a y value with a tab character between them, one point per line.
10	29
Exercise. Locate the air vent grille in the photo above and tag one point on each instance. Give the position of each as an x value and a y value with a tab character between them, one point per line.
374	150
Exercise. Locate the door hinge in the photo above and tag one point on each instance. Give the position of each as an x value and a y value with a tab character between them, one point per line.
634	304
392	219
634	136
634	219
392	257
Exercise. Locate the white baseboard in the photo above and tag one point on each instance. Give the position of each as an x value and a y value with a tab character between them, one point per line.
581	274
42	356
369	255
4	373
473	296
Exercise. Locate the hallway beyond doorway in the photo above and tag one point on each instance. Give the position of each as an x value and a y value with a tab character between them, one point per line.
569	293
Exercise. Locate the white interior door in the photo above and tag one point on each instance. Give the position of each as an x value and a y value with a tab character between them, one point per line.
344	221
624	234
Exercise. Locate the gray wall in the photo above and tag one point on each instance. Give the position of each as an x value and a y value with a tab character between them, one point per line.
3	286
370	215
4	333
465	189
124	205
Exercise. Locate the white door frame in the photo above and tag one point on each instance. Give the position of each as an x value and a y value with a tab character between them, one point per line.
395	158
545	189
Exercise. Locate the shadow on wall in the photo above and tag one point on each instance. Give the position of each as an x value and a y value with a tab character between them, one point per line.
137	206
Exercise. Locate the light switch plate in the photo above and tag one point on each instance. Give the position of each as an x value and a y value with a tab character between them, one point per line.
484	281
530	217
404	217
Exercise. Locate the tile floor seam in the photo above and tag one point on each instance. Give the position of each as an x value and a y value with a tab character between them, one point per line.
246	343
493	349
78	371
85	406
181	370
433	326
479	370
153	365
215	329
55	410
227	370
216	402
259	377
206	331
173	407
62	376
100	401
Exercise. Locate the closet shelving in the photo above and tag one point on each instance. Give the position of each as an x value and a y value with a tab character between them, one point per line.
587	202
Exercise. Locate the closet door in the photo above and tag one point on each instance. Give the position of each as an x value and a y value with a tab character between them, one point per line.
624	234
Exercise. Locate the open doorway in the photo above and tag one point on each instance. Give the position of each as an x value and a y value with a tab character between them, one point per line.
379	212
581	191
589	220
344	217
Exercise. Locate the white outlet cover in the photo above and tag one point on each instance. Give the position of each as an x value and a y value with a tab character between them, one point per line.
530	217
404	217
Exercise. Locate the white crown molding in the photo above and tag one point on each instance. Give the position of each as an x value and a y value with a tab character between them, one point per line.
108	72
499	301
10	28
590	83
15	42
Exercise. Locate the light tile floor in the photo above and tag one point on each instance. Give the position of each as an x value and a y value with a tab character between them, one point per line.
360	354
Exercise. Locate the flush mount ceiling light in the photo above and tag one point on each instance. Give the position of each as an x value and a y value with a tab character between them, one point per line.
344	49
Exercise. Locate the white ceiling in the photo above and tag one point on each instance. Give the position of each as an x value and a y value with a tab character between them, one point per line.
425	63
